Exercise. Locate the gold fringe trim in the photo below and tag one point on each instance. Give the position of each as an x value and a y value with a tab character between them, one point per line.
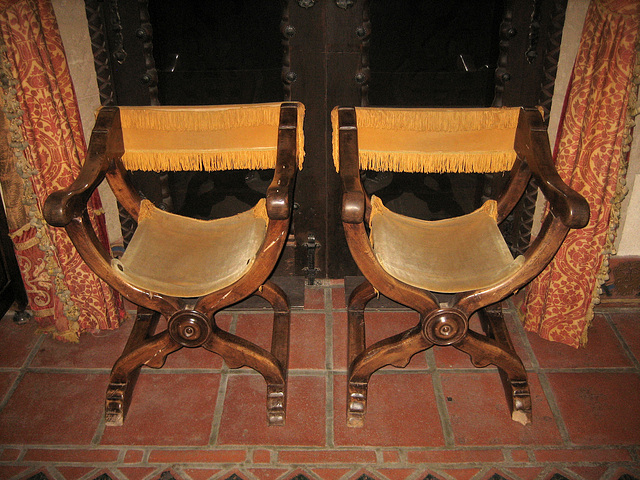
185	160
432	120
204	119
633	109
70	336
451	162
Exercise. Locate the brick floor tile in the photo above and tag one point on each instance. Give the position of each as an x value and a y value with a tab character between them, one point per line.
602	350
390	456
330	473
462	473
168	409
133	456
318	457
307	347
397	473
392	399
526	473
244	417
55	409
378	325
261	456
575	455
9	454
95	350
200	473
479	413
591	473
267	473
599	408
7	380
9	471
314	298
197	456
338	299
139	473
456	457
17	342
519	455
68	455
75	473
627	325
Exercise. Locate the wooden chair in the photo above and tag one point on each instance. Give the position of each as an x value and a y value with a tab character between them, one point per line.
181	268
414	262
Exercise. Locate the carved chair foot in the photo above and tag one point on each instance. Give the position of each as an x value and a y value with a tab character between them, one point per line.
138	351
117	402
497	349
357	404
513	374
276	404
237	352
520	400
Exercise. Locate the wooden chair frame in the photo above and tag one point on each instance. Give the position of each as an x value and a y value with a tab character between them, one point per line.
448	325
191	322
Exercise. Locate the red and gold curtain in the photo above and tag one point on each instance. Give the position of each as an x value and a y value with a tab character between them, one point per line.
42	125
591	156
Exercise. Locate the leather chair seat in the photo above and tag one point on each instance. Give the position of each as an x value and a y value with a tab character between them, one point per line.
447	256
185	257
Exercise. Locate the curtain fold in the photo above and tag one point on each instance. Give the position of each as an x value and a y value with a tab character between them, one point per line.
591	156
43	128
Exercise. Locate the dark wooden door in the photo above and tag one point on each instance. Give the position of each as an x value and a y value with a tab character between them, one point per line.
324	53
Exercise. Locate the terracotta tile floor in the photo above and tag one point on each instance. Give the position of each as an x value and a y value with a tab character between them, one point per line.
437	419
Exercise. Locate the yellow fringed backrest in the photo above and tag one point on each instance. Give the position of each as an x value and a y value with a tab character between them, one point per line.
204	137
433	140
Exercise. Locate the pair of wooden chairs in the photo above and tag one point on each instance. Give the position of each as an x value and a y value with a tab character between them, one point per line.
186	270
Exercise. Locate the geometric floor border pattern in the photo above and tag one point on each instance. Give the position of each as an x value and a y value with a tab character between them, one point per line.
168	475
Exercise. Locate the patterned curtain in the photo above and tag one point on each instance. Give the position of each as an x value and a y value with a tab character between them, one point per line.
591	155
41	122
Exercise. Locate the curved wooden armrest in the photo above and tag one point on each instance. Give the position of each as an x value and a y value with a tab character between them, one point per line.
280	191
106	142
514	189
354	197
532	143
538	255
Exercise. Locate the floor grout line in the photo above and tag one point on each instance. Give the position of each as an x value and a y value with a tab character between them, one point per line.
328	338
22	371
553	406
635	361
441	404
218	409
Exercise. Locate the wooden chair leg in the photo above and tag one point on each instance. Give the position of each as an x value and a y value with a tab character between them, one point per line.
141	349
357	392
515	384
396	350
497	349
276	393
238	352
